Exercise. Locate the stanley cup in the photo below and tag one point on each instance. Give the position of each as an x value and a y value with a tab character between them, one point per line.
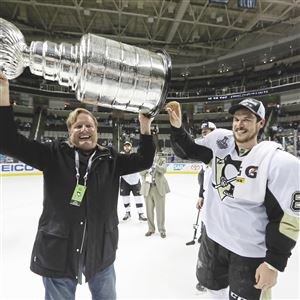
100	71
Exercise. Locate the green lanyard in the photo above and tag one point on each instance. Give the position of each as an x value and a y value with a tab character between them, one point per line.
80	189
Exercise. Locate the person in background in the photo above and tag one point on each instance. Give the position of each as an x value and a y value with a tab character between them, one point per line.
204	173
78	229
203	178
252	216
131	183
154	188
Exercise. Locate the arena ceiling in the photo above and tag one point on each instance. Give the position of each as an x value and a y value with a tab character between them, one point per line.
200	36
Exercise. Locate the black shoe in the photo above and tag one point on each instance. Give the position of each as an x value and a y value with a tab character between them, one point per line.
149	233
127	216
200	288
163	235
142	217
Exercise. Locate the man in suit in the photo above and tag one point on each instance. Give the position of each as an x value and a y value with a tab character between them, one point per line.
154	188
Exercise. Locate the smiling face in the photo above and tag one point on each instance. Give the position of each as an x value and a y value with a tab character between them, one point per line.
127	148
245	128
83	132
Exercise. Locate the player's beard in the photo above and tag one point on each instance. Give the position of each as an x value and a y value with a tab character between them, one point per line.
246	138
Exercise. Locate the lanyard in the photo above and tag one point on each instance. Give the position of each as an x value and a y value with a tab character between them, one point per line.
87	169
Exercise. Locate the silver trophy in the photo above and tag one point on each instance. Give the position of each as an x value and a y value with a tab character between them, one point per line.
101	71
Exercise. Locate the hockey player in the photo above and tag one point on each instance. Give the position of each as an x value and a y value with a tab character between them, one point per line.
252	216
131	183
203	177
206	128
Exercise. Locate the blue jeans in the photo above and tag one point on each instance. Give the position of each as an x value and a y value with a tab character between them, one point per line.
102	286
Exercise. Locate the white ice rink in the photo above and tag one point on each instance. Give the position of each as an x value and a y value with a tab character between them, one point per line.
146	267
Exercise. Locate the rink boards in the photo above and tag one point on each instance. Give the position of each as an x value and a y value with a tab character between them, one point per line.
21	169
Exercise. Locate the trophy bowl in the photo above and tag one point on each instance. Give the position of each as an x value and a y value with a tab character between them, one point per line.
101	71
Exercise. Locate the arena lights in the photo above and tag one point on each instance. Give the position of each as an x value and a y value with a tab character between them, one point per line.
185	73
241	3
223	68
247	3
219	1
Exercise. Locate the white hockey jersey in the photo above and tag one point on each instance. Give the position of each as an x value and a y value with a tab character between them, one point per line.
253	222
132	179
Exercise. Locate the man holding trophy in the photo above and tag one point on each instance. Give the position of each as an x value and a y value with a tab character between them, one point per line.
77	232
78	229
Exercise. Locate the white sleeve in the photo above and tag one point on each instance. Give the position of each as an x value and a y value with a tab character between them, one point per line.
209	141
284	181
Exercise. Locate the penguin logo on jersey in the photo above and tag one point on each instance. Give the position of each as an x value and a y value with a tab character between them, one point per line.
226	171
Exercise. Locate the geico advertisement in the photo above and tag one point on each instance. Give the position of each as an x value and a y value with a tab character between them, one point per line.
15	169
183	168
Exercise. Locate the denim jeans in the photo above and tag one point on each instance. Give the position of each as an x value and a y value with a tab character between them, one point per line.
102	286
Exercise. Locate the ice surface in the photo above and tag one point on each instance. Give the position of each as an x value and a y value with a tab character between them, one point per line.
146	267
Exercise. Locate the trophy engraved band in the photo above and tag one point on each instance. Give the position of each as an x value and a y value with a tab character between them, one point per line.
101	71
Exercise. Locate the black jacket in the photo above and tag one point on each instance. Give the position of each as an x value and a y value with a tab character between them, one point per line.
59	241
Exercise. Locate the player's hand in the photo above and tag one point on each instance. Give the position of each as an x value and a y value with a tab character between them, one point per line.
265	278
199	203
4	90
145	124
174	111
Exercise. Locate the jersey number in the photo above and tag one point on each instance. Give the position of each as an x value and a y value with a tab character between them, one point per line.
295	206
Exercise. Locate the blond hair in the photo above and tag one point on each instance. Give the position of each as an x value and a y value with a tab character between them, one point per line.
74	114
